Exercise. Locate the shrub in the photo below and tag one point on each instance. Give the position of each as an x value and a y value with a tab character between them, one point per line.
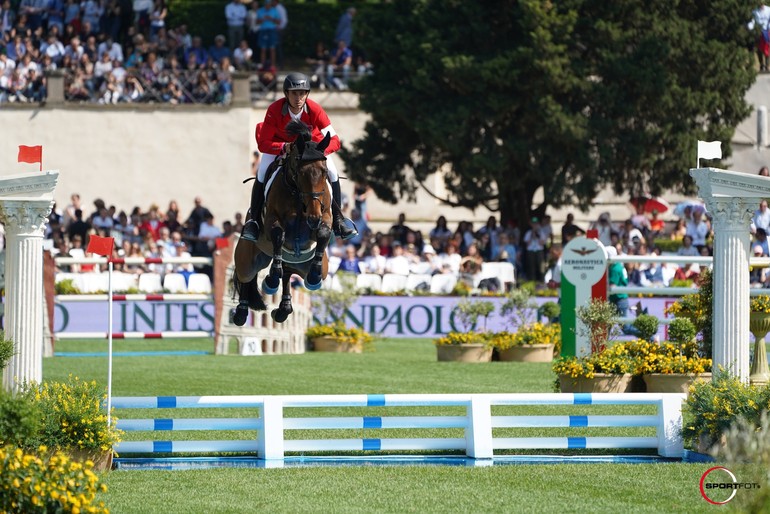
647	325
72	415
340	332
600	320
681	331
518	308
613	359
712	407
6	351
536	333
66	286
549	310
20	420
469	311
31	484
457	338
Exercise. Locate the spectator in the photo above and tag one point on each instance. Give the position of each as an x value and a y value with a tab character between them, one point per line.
375	262
687	249
200	54
78	227
698	229
534	241
631	237
235	14
761	218
759	23
617	276
157	19
7	17
339	66
344	31
268	18
569	230
760	239
450	258
604	227
680	229
243	56
398	263
362	226
283	17
219	51
440	234
757	275
657	226
197	215
349	262
252	24
764	172
142	11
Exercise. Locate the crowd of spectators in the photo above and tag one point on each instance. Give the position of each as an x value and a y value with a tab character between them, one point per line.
122	51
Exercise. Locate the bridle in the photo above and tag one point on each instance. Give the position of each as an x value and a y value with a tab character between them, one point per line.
291	181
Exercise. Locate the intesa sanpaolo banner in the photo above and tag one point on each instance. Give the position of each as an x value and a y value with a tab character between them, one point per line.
388	316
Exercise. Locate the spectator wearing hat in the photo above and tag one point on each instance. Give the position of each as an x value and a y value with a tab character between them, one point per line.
534	242
219	51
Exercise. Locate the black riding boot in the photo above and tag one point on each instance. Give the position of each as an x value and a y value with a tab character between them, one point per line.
341	229
253	226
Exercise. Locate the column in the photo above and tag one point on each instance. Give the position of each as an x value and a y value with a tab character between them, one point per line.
732	217
25	225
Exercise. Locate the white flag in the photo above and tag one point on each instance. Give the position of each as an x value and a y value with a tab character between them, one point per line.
709	150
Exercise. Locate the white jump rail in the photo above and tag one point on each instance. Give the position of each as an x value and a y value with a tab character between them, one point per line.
478	423
134	260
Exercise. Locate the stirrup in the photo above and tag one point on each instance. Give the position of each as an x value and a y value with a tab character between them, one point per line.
341	229
250	231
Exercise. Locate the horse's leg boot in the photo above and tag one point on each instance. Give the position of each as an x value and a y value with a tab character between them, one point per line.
252	227
341	229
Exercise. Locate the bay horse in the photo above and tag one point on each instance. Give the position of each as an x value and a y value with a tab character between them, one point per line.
296	229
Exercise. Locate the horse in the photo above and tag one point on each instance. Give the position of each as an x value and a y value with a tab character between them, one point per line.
296	229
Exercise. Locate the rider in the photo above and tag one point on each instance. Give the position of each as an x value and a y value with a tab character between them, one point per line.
273	141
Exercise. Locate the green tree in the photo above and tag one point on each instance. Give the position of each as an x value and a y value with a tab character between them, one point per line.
509	97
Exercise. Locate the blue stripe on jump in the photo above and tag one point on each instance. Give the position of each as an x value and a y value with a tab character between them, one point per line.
372	444
372	422
163	424
375	400
162	446
578	421
582	399
576	442
166	402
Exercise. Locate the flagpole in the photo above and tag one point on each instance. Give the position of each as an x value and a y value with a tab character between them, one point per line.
109	343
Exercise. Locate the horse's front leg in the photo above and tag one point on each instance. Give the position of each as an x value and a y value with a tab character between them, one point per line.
315	274
284	308
273	279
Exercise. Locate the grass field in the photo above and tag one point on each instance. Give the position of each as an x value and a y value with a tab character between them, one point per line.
396	366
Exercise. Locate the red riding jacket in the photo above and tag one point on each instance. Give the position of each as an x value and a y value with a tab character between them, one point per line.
271	133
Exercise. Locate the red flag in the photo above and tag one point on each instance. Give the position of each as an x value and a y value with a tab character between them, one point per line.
100	245
222	242
31	154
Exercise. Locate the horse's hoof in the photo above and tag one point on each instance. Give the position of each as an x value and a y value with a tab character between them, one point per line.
268	289
279	315
310	286
239	315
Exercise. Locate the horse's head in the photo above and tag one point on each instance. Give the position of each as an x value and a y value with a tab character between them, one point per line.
310	174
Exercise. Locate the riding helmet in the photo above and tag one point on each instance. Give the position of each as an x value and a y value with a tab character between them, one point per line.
296	82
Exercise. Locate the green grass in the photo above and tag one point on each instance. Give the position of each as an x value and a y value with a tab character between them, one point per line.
396	366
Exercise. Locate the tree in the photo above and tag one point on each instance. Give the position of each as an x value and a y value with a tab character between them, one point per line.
506	97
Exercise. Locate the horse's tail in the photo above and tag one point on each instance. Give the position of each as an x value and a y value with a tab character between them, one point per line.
298	128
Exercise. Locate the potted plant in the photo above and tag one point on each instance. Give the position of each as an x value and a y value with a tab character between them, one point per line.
535	342
606	371
759	324
332	335
674	366
607	367
469	345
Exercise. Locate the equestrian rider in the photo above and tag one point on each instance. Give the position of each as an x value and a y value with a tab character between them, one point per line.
273	141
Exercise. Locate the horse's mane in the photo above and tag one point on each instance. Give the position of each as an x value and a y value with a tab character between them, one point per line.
298	128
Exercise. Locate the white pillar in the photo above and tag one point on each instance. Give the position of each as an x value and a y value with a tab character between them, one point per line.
25	202
24	228
732	218
731	199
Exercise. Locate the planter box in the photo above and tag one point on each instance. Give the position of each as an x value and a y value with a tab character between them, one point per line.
528	353
673	382
464	353
600	383
331	344
102	459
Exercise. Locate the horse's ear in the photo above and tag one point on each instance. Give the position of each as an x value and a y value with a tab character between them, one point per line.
324	142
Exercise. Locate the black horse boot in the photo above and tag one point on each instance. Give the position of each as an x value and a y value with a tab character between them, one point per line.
340	227
253	226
